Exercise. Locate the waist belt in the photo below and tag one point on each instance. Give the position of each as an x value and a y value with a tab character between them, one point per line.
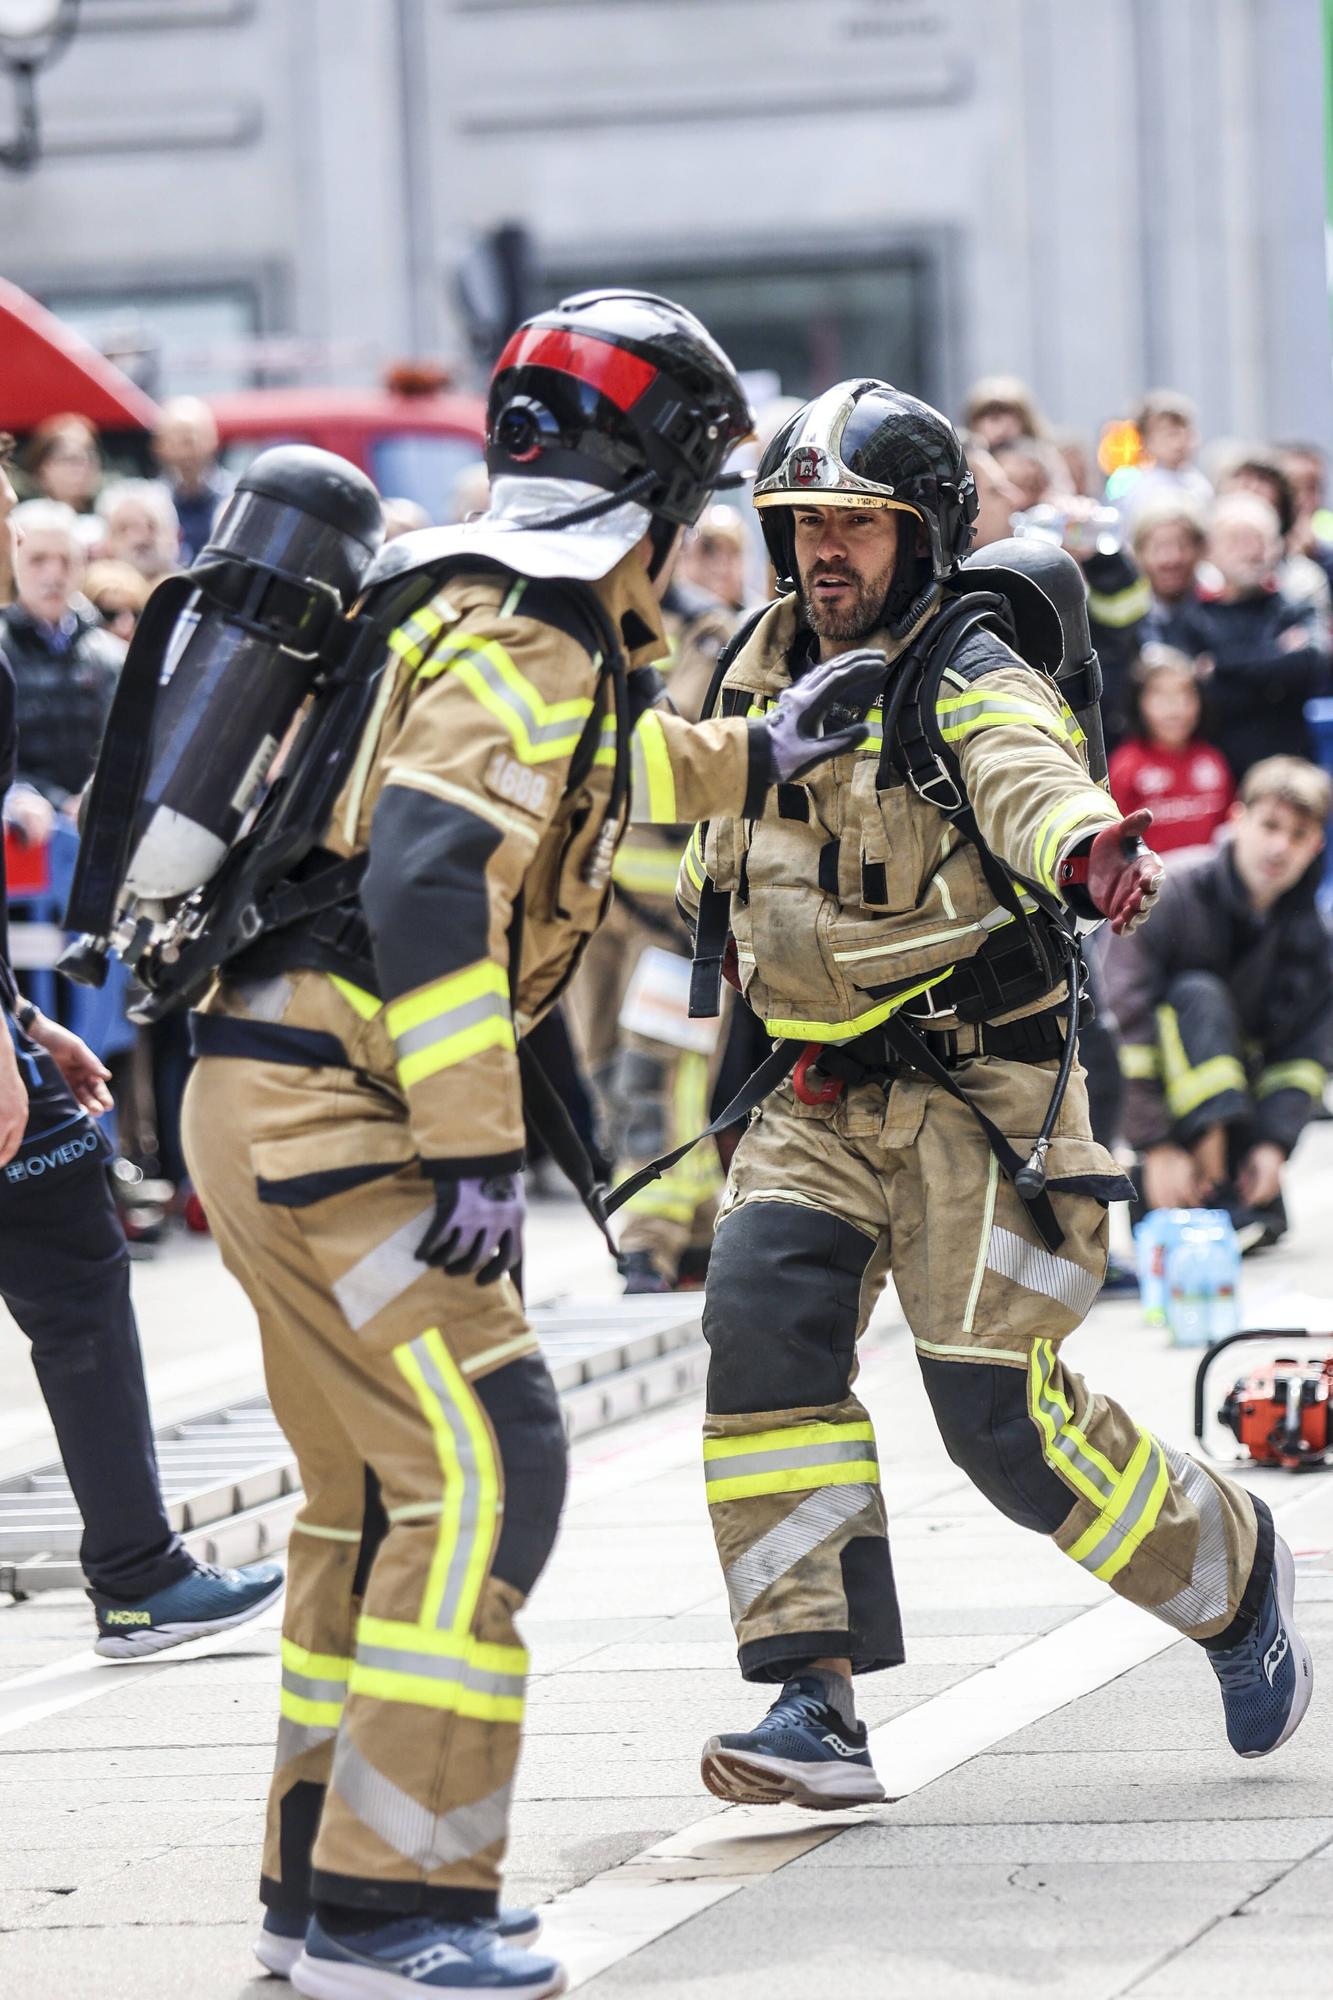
334	940
265	1041
883	1051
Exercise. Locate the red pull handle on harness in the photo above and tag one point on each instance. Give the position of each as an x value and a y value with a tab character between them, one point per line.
826	1091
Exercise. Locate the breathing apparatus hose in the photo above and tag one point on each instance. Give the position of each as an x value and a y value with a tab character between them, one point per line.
1030	1180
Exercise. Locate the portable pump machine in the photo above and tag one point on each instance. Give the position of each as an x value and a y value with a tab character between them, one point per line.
247	678
1281	1412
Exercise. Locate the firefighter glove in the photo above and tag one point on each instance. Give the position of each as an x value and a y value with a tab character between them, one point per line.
1116	872
477	1228
819	716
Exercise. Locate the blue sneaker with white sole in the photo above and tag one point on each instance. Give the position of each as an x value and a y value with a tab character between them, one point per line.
802	1754
206	1600
414	1956
281	1938
1267	1679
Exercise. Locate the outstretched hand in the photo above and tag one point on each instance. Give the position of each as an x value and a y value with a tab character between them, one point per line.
821	715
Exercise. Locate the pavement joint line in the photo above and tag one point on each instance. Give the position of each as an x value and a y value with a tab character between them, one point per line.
615	1914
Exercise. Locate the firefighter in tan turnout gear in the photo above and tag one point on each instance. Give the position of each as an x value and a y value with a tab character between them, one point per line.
903	918
355	1126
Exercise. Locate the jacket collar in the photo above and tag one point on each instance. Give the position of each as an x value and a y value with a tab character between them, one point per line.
781	642
629	600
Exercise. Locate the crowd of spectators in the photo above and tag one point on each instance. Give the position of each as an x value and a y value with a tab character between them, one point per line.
1208	573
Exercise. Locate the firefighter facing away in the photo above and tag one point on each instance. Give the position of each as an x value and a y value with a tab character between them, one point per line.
899	913
355	1126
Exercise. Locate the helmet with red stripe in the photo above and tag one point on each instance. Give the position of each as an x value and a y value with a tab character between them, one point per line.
620	389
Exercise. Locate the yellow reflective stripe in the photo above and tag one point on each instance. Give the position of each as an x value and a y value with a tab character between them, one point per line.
693	862
445	1023
789	1436
315	1714
539	730
318	1666
485	976
1140	1061
979	1270
420	1691
1064	1447
797	1479
912	943
842	1031
652	782
1046	845
300	1527
1068	1427
1121	607
972	712
1188	1085
362	1003
1305	1075
411	639
487	1478
1118	1522
646	871
605	752
399	1633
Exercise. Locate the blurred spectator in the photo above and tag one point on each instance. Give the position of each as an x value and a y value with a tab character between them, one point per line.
998	409
1035	468
1261	471
1269	651
998	499
119	593
1312	531
62	462
1166	764
1170	535
712	558
64	663
1226	1009
185	445
1118	601
141	527
8	502
403	517
472	493
1168	427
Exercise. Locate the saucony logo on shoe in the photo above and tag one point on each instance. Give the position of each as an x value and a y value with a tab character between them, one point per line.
1275	1655
836	1743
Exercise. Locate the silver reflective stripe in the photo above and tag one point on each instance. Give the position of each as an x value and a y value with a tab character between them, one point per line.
1130	1515
450	1021
294	1738
428	1840
803	1530
1036	1270
469	1513
638	777
384	1273
1206	1597
313	1690
566	730
440	1667
1062	1444
744	1463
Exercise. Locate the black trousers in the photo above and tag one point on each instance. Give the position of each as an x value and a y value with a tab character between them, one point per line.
65	1276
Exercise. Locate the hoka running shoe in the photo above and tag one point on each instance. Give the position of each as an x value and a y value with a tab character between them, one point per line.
415	1956
206	1600
1268	1678
802	1753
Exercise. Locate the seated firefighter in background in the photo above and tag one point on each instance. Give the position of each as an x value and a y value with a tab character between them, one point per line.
905	913
355	1124
652	1066
1225	1008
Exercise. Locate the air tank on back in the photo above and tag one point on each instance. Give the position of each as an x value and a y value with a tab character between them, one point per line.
294	540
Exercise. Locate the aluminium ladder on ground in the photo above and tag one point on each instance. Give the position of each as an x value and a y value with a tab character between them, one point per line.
230	1480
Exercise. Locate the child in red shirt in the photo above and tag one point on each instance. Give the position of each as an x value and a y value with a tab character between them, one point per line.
1166	764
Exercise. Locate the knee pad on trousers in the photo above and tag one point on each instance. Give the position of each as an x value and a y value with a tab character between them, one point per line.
639	1094
782	1307
982	1413
524	1410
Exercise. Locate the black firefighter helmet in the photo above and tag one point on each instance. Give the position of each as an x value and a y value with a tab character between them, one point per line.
623	390
866	444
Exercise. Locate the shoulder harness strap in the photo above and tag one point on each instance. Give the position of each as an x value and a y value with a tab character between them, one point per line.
710	930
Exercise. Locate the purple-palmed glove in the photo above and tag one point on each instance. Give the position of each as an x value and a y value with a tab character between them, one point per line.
477	1227
830	697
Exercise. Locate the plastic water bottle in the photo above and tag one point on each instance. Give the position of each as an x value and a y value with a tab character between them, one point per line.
1159	1229
1202	1280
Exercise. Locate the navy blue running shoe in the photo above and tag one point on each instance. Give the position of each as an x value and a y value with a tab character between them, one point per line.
802	1754
282	1936
207	1600
412	1956
1267	1680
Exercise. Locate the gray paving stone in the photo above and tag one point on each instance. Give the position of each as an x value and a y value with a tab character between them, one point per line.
877	1842
181	1889
1152	1785
1304	1891
132	1962
1245	1953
